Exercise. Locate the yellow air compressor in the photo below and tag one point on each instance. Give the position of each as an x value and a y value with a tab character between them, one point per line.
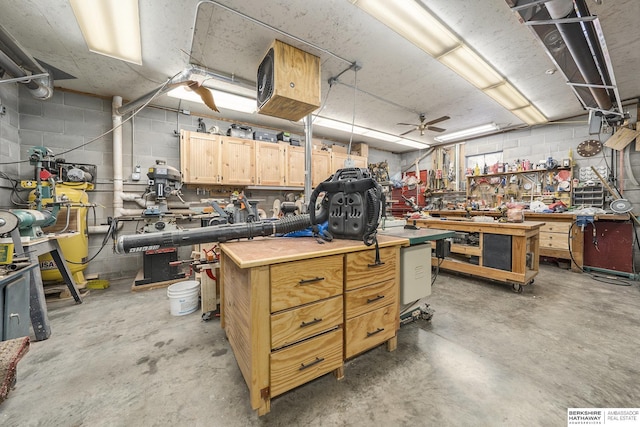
71	221
62	187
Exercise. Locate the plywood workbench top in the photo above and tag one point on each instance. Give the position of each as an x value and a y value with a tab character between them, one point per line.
271	250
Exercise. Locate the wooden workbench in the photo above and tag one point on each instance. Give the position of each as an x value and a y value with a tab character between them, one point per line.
558	239
294	309
515	263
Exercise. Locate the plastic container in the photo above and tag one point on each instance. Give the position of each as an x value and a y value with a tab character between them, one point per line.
183	297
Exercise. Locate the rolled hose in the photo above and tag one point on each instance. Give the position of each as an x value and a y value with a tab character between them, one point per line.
217	233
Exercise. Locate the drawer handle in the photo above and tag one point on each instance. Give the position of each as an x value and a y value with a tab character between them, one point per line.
370	300
377	331
375	264
314	321
307	281
12	315
308	365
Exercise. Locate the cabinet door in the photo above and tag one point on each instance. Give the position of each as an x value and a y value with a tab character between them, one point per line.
199	157
238	161
295	166
321	167
270	159
16	309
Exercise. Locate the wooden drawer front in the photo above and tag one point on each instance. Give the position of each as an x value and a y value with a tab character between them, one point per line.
554	240
302	282
362	271
368	298
370	329
290	326
300	363
556	227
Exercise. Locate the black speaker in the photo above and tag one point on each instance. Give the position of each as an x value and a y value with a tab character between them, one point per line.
265	79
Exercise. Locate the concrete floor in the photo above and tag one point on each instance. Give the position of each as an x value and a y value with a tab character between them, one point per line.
488	357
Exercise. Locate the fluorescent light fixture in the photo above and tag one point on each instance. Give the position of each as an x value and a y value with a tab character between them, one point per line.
466	133
224	100
370	133
110	27
413	21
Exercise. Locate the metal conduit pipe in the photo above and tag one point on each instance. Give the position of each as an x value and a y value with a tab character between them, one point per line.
187	76
12	54
577	45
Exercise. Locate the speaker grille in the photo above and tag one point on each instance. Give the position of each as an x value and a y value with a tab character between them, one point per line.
265	79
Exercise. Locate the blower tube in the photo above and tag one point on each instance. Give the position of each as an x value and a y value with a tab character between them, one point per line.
217	233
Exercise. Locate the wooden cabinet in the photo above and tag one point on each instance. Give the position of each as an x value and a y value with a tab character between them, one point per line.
294	310
295	166
270	163
238	161
199	158
215	159
320	167
372	295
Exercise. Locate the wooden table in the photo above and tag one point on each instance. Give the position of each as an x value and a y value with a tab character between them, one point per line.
559	236
294	309
506	252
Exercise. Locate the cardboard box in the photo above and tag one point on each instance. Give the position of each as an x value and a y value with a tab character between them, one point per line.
360	149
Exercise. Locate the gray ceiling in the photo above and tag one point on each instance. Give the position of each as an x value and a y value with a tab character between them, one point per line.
397	80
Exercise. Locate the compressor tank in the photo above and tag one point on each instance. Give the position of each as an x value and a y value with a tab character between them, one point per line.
75	247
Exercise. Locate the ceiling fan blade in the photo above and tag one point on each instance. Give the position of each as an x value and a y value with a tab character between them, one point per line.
435	129
408	124
438	120
409	131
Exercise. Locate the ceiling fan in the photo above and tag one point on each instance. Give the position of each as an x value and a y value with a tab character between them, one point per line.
424	125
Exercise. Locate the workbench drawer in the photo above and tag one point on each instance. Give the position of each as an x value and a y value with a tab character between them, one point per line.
301	363
368	298
302	282
370	329
290	326
556	227
362	269
554	240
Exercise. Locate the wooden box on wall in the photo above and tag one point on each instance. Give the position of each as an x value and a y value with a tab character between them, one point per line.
288	82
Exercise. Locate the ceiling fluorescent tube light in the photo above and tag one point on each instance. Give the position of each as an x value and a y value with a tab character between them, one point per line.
224	100
110	27
415	23
370	133
466	133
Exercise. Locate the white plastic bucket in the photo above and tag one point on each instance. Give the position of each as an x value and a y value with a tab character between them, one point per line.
183	297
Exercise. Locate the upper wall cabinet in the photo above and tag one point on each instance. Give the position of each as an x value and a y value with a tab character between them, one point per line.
199	157
295	166
238	161
213	159
270	163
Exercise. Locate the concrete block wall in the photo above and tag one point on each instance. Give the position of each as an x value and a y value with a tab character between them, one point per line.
69	121
9	142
